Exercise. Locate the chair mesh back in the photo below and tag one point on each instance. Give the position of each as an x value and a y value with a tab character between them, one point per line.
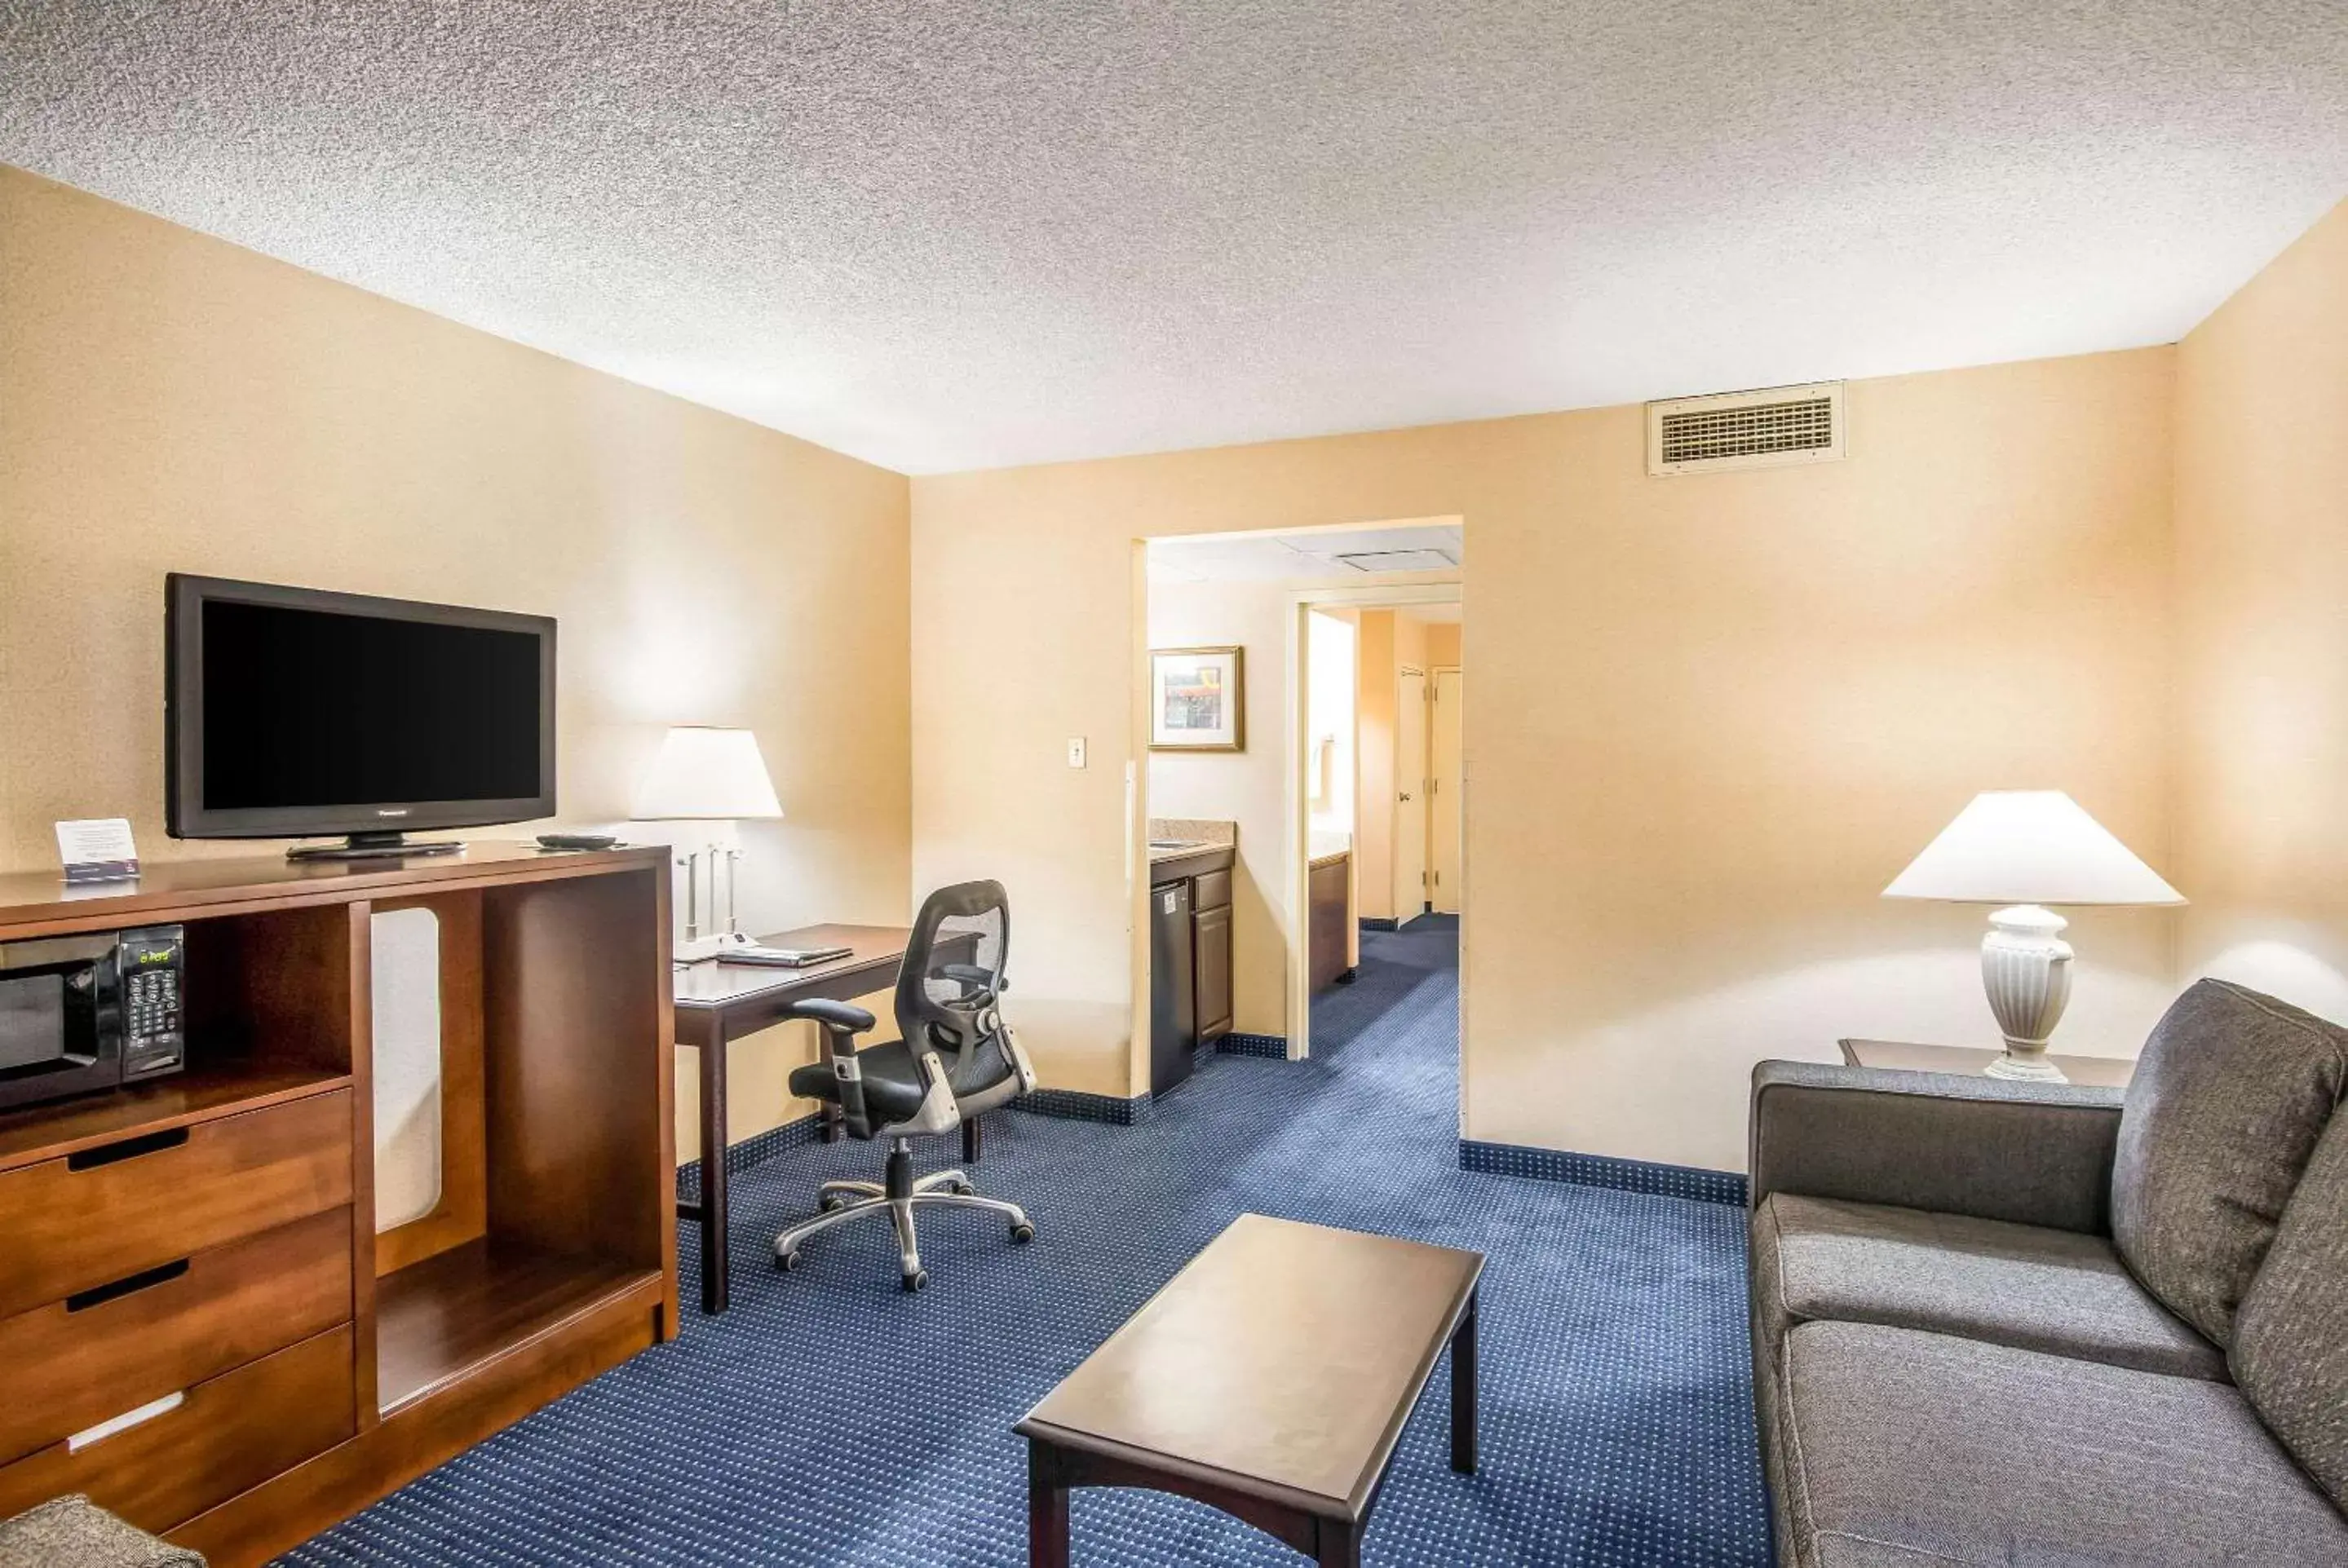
952	972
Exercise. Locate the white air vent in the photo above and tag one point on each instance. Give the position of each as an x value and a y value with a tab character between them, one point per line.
1764	429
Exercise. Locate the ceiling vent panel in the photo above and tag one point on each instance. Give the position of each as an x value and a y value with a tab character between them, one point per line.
1766	429
1398	561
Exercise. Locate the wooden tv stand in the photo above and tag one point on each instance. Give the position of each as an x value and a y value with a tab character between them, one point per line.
211	1236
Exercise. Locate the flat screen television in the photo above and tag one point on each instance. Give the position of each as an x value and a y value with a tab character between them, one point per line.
293	713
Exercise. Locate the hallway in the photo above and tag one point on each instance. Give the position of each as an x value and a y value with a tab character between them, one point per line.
1414	972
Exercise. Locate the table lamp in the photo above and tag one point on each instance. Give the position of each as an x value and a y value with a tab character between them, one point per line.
709	775
2024	850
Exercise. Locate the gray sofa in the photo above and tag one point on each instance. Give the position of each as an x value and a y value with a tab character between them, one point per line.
2023	1323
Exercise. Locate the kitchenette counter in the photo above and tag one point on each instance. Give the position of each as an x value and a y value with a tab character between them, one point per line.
1171	863
1189	846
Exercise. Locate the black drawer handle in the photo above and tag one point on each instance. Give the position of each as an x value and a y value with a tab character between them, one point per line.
128	1149
99	1295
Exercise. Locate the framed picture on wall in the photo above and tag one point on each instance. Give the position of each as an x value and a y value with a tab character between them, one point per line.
1198	700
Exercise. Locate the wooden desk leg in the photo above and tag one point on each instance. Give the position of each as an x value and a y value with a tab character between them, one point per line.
972	1141
1463	1391
713	1169
1048	1507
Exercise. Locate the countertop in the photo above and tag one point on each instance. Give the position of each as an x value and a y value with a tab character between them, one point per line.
1191	859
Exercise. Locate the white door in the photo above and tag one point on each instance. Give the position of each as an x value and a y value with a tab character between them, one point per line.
1410	797
1444	792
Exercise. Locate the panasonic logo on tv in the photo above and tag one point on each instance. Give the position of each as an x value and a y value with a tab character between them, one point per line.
393	811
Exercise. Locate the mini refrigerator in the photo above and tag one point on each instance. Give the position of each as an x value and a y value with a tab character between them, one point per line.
1173	1012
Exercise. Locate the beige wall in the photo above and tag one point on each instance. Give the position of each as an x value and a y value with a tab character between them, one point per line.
1712	717
1373	803
2262	600
168	402
1442	644
1247	787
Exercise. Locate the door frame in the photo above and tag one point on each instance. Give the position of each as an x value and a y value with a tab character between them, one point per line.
1435	673
1404	675
1295	852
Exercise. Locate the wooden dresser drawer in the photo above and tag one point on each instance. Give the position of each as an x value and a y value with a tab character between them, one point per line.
74	1363
222	1437
1212	890
100	1215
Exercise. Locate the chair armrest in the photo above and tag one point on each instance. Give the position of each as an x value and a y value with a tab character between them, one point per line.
842	1022
846	1017
1994	1148
974	981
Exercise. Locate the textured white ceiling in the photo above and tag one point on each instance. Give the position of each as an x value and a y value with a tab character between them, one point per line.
958	234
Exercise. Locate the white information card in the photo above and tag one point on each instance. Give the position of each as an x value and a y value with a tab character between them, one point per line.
98	849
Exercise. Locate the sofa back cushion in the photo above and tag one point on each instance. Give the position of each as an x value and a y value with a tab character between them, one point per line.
2228	1098
2290	1336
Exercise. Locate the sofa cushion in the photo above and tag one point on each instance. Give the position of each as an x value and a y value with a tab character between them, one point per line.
2291	1336
1908	1448
2228	1098
2024	1285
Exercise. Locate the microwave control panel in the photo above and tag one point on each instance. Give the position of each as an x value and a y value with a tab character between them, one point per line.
153	964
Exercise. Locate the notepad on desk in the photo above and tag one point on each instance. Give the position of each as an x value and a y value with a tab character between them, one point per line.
781	957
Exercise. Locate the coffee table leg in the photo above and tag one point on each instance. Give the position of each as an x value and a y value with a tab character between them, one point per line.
1463	1391
1340	1545
1048	1507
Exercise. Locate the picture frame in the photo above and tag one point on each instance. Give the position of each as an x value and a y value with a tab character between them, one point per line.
1198	700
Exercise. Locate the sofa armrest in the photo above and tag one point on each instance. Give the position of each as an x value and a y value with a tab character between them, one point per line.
1994	1148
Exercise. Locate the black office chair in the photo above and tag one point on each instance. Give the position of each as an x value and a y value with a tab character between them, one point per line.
956	1059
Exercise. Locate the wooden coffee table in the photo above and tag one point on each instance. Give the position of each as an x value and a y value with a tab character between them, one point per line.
1271	1378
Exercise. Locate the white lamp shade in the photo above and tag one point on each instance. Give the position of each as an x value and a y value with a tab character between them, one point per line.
701	772
2029	846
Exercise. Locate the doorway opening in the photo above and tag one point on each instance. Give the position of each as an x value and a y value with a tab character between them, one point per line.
1430	691
1292	684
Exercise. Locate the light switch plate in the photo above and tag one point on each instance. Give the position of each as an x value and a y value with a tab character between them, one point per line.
1075	750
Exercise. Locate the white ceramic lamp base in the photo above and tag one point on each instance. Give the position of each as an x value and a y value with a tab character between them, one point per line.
2026	969
701	949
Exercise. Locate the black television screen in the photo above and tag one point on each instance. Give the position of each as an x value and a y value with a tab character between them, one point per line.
294	712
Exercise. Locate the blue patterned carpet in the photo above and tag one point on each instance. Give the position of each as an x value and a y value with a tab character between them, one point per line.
829	1419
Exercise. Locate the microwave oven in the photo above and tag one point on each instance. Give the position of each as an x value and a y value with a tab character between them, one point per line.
79	1014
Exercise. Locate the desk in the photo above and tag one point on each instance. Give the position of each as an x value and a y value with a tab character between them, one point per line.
717	1003
2100	1072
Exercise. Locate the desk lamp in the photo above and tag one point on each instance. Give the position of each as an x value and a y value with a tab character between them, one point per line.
703	773
2024	850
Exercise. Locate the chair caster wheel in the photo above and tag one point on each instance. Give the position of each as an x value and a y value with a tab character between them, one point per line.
915	1280
1023	1233
788	1262
964	1188
828	1204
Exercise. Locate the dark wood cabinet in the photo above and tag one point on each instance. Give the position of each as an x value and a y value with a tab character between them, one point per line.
1329	955
1208	869
1211	957
194	1260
